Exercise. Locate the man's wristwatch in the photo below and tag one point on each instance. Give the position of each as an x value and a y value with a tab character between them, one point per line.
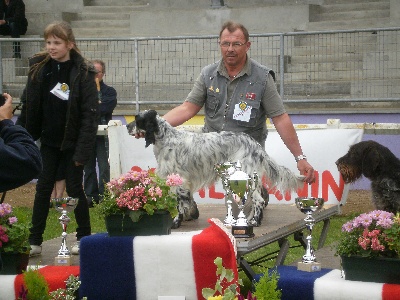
300	157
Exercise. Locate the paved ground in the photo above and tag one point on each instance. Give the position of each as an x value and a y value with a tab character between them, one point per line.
277	218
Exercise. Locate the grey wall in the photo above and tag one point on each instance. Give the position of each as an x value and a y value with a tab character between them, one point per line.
178	17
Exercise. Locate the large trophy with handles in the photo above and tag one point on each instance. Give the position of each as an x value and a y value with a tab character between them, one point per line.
239	187
309	205
64	205
224	171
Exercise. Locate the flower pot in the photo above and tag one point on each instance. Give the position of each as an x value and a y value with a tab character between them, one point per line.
159	223
14	263
379	269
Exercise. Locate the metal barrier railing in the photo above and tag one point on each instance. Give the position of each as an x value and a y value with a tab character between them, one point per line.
327	69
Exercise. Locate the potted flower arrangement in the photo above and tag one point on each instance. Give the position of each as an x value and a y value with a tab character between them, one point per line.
370	246
14	244
135	199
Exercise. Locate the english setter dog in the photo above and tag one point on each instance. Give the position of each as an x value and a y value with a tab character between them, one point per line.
193	156
378	164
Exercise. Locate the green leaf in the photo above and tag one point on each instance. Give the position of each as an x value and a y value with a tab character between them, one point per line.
135	215
207	292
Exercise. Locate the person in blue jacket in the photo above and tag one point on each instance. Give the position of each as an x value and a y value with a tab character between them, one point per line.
93	183
20	159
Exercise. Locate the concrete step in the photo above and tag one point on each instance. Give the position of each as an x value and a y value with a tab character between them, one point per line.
96	46
349	24
116	3
114	24
102	32
330	75
344	75
336	40
354	7
351	15
27	48
354	66
14	89
334	2
101	16
112	9
321	88
321	58
337	50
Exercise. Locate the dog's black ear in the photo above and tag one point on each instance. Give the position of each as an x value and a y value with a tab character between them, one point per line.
372	161
151	127
131	127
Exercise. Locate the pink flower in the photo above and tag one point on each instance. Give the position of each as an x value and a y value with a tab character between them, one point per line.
348	226
371	234
384	222
3	235
374	233
5	209
174	180
364	243
376	245
144	191
365	220
12	220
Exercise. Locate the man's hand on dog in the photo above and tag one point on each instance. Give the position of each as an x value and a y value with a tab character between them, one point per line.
307	170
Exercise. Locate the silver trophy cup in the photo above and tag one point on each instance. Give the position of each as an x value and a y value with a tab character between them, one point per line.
224	170
238	186
309	205
64	205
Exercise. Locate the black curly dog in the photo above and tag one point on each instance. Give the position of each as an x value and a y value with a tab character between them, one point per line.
378	164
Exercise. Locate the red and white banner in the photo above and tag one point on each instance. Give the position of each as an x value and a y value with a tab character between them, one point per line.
145	267
322	147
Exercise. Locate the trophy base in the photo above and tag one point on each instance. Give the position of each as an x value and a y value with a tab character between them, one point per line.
309	267
63	260
242	231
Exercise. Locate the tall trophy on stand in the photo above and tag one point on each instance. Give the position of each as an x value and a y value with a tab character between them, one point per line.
224	170
64	205
242	187
238	186
309	205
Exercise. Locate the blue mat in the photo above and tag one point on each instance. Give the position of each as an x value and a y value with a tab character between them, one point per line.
294	284
95	258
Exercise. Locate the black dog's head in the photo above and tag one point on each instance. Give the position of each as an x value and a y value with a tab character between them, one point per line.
366	158
145	122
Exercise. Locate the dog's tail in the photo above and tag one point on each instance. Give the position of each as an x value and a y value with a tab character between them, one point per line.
281	177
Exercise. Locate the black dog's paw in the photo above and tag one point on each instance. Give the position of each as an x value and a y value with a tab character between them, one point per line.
194	211
176	223
191	212
254	223
256	220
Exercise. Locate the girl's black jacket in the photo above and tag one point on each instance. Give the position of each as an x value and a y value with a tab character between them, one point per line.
82	112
